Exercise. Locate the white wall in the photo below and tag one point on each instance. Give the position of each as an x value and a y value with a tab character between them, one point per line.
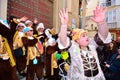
3	9
117	2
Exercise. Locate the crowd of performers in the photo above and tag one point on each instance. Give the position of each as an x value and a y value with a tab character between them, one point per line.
30	49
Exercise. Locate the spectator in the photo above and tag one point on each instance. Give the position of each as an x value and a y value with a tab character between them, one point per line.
113	67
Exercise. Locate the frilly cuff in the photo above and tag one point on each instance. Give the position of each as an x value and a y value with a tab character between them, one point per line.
101	41
61	46
107	40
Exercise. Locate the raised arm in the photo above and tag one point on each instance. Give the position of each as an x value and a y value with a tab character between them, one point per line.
99	18
64	23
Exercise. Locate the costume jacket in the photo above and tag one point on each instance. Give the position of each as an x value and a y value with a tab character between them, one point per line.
7	34
84	64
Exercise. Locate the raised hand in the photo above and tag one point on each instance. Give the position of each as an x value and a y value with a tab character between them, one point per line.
35	20
64	23
23	19
99	14
64	16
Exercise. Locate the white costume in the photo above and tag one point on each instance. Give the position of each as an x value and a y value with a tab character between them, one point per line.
82	61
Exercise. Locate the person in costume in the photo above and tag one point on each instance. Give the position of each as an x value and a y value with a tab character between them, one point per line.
19	49
64	59
29	23
33	52
42	38
33	24
51	49
84	60
7	59
40	32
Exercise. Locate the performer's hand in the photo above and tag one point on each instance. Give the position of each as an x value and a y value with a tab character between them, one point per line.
35	20
99	14
23	19
64	16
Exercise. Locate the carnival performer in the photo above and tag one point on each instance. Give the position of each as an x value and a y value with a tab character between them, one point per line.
19	49
84	60
51	49
7	59
34	50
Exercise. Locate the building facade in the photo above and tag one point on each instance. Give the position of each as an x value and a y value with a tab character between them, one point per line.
90	25
45	10
73	12
113	18
40	9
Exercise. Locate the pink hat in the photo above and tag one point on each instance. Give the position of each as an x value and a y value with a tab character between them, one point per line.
40	25
20	24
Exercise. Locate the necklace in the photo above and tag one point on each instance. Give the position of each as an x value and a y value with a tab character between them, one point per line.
89	61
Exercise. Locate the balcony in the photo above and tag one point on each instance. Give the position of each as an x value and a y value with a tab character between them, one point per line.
114	25
110	3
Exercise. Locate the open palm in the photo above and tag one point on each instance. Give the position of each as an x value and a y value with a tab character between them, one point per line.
64	16
99	14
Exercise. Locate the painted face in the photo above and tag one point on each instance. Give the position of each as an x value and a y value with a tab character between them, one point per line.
83	41
30	33
41	30
30	24
20	28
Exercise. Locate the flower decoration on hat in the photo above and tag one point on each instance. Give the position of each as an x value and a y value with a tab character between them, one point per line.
40	25
76	33
28	21
26	29
20	24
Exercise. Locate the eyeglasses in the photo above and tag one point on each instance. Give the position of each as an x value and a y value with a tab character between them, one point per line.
20	26
31	30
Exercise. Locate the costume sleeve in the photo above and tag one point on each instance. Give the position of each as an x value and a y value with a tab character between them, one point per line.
100	41
4	30
107	40
29	42
61	46
13	25
51	49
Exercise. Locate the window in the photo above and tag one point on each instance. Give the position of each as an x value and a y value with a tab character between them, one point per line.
114	15
111	16
80	9
108	3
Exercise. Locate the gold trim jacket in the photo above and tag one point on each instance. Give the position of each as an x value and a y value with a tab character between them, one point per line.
31	48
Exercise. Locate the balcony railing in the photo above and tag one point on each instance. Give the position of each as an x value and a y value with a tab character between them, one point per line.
114	25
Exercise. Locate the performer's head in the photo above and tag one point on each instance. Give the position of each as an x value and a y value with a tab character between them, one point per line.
40	27
29	23
80	36
20	27
10	19
28	31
